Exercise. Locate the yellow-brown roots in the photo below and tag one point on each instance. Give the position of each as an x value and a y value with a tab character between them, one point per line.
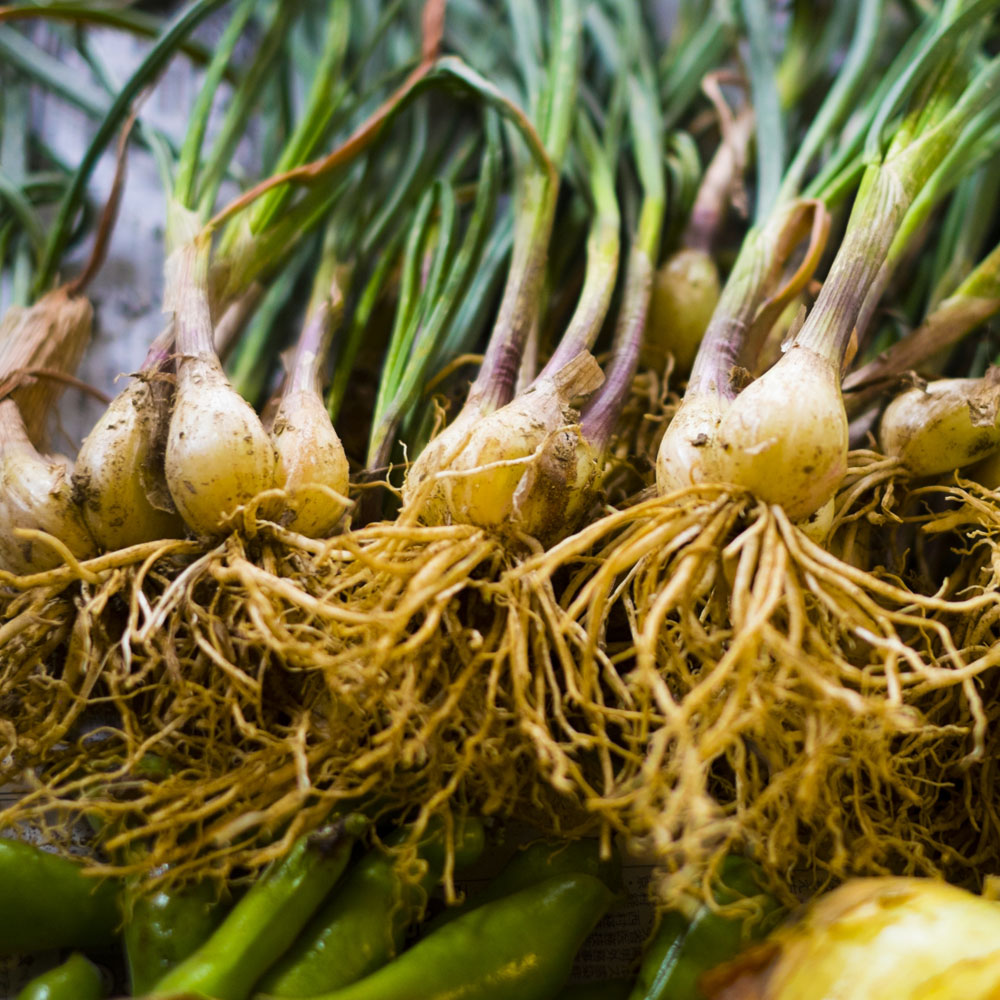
197	702
691	672
746	689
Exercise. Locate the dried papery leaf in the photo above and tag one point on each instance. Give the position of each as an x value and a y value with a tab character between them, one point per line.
51	334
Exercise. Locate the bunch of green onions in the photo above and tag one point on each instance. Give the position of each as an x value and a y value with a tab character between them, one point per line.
556	209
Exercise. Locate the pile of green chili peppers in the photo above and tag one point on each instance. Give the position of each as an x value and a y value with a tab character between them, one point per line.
334	920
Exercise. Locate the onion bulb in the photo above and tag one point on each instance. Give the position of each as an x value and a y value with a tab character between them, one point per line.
218	455
311	467
311	464
787	454
684	296
944	425
874	939
687	454
521	467
35	493
117	473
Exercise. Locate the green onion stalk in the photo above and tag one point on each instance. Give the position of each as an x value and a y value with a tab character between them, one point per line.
531	466
215	454
763	438
437	272
538	189
42	523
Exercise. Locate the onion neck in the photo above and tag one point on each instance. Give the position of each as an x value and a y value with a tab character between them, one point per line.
878	210
313	346
722	347
601	413
603	250
161	351
494	385
188	299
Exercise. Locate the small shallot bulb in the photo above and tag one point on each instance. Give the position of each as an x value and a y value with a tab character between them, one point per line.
311	465
788	454
522	468
218	455
686	456
117	470
944	425
874	939
35	493
784	437
685	293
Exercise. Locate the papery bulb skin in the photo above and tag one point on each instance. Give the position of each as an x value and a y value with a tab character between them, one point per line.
785	436
439	452
687	454
35	493
523	467
685	292
115	472
310	462
51	333
943	426
874	939
218	455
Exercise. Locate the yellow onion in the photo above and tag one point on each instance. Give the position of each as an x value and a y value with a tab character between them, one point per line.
685	293
218	455
118	473
35	493
521	467
944	425
875	939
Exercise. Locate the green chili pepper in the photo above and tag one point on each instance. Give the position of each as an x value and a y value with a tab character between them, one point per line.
520	947
535	863
267	919
682	950
75	979
607	989
545	859
363	924
165	927
46	902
